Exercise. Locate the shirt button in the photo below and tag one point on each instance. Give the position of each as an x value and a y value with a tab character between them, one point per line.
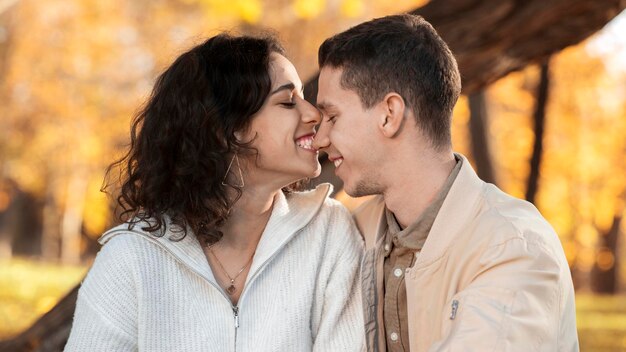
393	337
397	272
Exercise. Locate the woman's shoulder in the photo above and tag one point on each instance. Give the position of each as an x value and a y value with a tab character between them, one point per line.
128	243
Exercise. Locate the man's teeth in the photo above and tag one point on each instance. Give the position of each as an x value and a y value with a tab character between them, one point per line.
305	142
338	162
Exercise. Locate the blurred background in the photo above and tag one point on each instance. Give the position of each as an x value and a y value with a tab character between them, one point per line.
543	116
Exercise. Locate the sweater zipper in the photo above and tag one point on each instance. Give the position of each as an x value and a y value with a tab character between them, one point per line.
236	314
235	308
245	290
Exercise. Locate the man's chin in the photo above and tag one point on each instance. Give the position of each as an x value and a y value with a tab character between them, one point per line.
360	190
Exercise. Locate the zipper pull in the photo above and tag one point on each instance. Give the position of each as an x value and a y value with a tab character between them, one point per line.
236	313
455	307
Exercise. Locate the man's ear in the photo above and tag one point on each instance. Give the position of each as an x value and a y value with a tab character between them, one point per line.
392	117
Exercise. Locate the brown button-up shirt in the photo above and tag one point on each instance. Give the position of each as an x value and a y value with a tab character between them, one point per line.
402	246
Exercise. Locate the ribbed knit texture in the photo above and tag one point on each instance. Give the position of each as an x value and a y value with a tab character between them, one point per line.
302	293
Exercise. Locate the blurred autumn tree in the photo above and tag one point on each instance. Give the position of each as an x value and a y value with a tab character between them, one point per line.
583	175
73	72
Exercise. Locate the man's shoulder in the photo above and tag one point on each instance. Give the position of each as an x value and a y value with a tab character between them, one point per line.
509	217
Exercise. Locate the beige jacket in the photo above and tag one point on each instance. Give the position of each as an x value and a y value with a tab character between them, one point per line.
492	276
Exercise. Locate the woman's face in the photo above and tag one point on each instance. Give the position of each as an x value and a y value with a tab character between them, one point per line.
283	131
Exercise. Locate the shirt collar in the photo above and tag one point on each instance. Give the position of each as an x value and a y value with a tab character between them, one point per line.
414	236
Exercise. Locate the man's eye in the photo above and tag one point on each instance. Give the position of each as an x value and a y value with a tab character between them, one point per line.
288	105
331	119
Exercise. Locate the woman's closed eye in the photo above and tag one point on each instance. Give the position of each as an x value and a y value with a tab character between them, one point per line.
288	104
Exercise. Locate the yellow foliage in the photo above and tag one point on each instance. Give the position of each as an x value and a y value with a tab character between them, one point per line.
460	127
571	251
352	8
585	259
604	208
250	10
96	213
587	235
308	8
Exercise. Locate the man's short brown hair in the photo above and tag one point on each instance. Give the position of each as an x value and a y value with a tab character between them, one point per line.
402	54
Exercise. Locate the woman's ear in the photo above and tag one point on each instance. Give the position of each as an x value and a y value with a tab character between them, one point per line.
392	119
244	135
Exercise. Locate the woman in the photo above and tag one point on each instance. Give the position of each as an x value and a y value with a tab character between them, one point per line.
219	254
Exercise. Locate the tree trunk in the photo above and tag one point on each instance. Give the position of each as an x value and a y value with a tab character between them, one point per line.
603	276
493	38
479	125
73	217
539	118
24	224
51	228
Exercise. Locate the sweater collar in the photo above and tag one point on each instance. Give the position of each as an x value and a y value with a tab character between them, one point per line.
290	213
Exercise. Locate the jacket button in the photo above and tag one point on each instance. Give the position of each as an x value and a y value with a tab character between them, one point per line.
397	272
393	336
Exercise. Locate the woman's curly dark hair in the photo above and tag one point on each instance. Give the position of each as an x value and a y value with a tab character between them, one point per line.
183	139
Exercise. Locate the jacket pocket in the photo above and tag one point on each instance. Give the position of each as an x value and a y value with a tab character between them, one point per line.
479	318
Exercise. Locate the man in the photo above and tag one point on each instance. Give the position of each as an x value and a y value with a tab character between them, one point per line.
452	263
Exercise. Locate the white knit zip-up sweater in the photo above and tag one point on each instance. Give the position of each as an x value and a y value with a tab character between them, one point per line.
149	293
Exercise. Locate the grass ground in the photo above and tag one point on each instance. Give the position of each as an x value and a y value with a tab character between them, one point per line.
29	289
601	322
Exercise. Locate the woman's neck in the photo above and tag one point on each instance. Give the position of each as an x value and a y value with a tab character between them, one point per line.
248	218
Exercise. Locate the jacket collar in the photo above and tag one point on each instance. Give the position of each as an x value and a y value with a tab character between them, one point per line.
290	213
459	207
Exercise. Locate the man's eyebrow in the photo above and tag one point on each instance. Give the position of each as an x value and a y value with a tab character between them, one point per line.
324	106
288	86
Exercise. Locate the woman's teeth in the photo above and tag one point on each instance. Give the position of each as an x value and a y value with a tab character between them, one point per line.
305	142
338	162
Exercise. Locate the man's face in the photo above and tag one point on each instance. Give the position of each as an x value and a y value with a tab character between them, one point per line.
349	135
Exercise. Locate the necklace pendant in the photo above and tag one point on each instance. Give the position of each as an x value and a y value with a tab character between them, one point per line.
231	289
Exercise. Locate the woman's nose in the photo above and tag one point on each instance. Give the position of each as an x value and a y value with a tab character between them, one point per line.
309	113
321	140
